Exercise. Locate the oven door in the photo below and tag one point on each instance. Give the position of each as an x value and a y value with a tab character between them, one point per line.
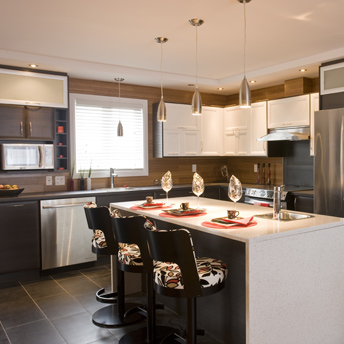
264	202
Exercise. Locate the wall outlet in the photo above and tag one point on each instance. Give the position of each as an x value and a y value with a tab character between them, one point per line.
255	168
60	180
49	180
194	167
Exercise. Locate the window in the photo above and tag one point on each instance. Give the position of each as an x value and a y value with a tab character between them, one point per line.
94	140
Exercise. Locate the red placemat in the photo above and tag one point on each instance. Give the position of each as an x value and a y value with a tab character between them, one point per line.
218	225
183	216
140	208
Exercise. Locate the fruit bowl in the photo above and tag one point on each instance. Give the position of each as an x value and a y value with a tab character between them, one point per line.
10	192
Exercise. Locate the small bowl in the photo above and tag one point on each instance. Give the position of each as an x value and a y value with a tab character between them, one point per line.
10	192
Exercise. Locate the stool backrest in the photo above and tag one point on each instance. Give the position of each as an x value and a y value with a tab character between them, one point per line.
99	218
176	246
130	230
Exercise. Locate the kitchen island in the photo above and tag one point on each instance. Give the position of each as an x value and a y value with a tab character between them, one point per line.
285	284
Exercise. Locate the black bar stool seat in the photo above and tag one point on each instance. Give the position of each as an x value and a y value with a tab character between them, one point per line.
179	273
118	313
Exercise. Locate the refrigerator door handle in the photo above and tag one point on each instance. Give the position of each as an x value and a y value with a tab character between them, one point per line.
341	161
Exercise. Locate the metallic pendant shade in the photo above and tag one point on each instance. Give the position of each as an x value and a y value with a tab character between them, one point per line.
245	94
119	125
245	91
196	105
161	117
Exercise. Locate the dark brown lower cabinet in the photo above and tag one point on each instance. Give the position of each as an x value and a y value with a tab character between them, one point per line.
19	245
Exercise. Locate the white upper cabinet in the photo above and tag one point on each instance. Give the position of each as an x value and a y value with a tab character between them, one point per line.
181	131
179	117
289	112
258	128
38	89
211	131
314	107
235	132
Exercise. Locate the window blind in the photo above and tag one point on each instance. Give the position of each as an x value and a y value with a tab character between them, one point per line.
96	140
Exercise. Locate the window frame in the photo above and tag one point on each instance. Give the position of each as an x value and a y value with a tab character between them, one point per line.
106	100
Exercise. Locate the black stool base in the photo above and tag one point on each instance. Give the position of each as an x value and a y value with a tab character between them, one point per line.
104	297
108	316
140	336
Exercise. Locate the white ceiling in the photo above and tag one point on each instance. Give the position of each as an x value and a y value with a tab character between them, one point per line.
104	39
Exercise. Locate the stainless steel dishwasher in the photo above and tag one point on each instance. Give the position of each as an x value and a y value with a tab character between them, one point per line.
65	236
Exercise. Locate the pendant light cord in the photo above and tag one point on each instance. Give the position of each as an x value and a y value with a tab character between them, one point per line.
119	99
244	38
196	58
162	92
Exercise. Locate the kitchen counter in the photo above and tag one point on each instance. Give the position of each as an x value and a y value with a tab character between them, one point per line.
284	285
264	230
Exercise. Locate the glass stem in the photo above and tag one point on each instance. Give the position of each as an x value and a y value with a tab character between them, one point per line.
197	202
166	197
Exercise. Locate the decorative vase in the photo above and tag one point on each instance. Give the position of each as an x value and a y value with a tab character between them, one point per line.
89	183
82	184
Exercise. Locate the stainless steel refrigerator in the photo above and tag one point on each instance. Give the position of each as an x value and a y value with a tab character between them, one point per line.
329	162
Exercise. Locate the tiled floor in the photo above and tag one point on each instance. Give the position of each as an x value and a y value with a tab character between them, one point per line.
58	309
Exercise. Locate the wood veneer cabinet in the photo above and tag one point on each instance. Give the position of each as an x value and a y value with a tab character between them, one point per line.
19	247
29	123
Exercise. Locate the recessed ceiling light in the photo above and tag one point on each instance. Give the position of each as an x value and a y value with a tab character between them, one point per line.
303	70
191	85
32	65
220	88
252	81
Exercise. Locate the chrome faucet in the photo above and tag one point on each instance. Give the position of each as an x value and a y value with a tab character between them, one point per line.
276	202
113	175
278	190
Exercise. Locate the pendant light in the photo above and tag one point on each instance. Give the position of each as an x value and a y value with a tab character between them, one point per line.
162	107
245	91
119	126
196	105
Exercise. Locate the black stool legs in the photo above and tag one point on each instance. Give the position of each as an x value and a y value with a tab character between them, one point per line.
119	314
151	334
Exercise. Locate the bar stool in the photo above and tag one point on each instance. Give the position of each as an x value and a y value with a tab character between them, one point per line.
178	273
129	231
104	243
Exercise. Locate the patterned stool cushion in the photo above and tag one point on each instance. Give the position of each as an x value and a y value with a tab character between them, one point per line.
129	254
211	272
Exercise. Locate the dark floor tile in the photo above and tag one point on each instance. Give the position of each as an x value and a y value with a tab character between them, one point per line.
108	340
102	281
96	271
19	310
38	332
44	288
10	293
59	306
67	274
89	302
79	329
78	286
3	337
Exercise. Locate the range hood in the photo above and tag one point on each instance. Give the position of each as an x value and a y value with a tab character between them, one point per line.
286	134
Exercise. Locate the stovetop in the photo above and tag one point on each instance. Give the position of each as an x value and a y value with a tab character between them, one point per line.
267	191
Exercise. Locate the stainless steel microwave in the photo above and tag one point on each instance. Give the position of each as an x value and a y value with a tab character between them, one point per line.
22	156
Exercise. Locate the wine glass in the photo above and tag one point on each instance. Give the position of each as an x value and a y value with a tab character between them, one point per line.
234	190
197	186
167	186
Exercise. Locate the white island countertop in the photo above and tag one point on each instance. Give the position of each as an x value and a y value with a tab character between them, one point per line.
265	229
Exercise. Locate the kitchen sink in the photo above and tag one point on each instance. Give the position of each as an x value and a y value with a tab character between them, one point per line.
126	188
285	216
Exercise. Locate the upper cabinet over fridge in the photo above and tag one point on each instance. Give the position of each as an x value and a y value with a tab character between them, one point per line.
22	87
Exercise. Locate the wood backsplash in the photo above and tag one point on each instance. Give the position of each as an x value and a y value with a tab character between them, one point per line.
208	168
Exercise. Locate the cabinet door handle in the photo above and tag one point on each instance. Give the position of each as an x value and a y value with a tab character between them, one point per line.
15	205
21	129
30	129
